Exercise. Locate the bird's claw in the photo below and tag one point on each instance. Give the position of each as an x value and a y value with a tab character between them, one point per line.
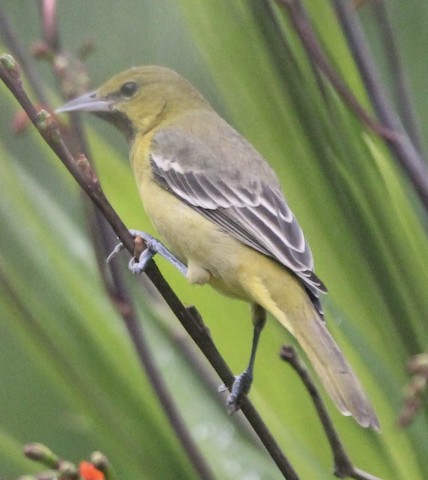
117	249
138	266
153	247
240	387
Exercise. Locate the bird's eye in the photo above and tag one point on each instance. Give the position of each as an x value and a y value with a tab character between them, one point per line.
128	89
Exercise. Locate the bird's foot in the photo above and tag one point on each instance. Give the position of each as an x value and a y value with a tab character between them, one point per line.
240	387
154	246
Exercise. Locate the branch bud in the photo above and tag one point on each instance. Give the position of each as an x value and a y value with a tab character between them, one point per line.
67	471
10	64
42	454
45	123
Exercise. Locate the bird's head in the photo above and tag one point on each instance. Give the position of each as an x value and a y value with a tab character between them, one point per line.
137	99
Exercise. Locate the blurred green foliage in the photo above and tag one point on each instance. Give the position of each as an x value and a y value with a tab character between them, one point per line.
68	373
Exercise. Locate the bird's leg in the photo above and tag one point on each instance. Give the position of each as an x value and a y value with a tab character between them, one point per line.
241	385
154	246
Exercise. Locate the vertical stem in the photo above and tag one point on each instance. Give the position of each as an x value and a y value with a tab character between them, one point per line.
400	145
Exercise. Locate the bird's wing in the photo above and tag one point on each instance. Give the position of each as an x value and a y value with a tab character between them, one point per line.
250	207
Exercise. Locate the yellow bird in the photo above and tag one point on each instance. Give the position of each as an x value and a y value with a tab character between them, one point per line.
219	208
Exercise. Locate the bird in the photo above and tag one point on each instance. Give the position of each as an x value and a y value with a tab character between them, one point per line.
220	210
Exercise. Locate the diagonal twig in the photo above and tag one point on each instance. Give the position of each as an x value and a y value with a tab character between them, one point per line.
389	126
307	36
14	43
397	72
400	145
343	466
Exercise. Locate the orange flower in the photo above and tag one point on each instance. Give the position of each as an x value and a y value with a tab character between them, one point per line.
89	472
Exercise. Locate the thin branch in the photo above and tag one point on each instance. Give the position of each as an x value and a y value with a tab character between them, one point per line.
204	373
400	144
343	466
85	177
48	19
398	75
307	36
14	43
389	127
127	310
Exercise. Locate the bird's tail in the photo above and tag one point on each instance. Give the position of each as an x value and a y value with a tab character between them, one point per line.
297	314
334	371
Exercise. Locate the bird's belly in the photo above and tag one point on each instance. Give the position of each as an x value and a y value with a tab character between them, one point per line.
212	256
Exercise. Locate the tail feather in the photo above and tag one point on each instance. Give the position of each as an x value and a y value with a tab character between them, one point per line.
334	371
298	315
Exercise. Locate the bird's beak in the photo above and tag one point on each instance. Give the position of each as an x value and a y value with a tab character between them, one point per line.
88	102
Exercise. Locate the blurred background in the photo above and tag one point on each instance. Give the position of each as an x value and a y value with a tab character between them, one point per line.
69	376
